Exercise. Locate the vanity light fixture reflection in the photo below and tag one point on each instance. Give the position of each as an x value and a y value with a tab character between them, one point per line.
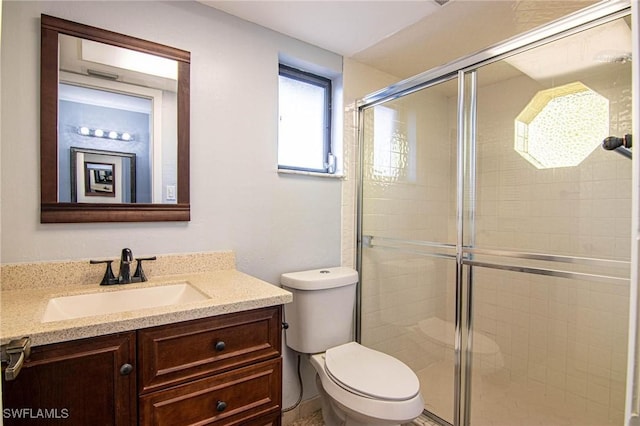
105	134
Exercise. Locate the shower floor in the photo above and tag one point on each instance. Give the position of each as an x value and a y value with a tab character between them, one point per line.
500	404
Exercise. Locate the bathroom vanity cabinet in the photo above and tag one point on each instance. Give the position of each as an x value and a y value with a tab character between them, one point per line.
221	370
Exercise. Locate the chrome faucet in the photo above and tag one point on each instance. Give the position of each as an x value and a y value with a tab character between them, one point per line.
124	275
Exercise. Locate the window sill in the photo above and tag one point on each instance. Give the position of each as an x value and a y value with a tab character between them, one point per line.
314	174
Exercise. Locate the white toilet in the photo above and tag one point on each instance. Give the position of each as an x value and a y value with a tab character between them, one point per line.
358	386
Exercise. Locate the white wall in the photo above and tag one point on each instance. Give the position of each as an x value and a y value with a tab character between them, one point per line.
274	223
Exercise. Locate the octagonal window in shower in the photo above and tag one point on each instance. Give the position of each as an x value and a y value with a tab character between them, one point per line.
561	126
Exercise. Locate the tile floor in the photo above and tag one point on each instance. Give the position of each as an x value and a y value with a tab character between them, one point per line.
315	419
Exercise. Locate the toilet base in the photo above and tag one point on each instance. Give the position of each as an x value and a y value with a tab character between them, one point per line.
334	414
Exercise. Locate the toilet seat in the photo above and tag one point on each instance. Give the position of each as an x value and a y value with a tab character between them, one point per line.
396	411
370	373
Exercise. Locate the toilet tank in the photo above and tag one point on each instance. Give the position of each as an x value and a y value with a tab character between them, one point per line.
321	314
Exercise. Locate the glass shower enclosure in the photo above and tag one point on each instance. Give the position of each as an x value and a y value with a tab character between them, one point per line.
495	230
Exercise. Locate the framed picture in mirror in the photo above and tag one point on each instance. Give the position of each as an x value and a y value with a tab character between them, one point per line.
99	176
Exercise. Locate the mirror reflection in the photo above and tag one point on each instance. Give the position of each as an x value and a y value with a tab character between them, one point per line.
122	101
97	173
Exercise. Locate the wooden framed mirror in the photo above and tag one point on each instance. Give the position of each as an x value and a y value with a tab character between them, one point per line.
92	98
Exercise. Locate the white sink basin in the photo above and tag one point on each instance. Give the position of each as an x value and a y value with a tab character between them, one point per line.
86	305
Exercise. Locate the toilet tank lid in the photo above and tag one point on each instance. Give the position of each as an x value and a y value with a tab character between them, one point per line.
319	279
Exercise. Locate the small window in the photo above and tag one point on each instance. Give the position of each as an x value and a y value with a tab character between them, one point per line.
561	126
304	126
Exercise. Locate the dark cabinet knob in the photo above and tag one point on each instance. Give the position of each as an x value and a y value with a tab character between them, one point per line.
126	369
221	406
220	346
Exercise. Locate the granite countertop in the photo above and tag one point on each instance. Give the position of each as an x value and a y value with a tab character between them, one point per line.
228	291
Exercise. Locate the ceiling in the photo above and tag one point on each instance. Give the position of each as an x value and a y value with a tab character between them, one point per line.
399	37
344	27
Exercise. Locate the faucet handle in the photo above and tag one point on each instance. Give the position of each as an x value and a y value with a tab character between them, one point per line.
139	273
108	277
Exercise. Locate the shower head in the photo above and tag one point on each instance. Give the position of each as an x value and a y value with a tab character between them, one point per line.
620	145
612	142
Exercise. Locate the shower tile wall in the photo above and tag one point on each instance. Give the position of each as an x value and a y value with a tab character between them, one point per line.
358	81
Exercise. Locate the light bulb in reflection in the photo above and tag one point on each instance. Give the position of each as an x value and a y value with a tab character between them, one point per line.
84	131
126	136
98	132
113	135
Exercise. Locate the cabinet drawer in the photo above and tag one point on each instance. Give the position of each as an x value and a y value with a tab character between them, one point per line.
250	395
176	353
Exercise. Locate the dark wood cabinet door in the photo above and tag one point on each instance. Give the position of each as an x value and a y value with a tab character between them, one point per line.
75	383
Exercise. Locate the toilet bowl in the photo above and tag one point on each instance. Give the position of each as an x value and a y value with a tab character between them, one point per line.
361	386
358	386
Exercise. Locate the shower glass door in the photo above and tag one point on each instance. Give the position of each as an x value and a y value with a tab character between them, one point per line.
495	231
409	234
549	266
